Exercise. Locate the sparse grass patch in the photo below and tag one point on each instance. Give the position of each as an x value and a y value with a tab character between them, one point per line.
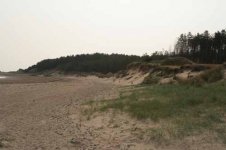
221	132
157	135
196	81
187	109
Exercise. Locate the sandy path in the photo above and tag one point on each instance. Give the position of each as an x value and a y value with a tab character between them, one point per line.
36	115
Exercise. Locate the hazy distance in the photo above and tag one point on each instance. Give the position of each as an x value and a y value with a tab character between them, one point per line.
34	30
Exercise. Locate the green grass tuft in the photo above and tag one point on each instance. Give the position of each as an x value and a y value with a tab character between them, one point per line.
188	109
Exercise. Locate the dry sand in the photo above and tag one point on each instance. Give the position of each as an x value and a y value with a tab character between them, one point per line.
46	113
133	77
34	111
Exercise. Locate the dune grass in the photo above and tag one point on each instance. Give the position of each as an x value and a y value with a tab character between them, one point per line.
185	109
165	101
213	75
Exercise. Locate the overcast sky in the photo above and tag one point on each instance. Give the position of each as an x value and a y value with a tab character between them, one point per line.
32	30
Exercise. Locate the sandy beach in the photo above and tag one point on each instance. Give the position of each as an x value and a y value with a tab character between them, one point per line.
47	113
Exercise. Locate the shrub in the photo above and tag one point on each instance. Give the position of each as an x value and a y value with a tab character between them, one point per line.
176	61
197	81
212	75
208	76
151	79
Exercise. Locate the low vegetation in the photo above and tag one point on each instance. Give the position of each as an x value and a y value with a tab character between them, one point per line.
193	74
177	61
208	76
180	110
212	75
160	72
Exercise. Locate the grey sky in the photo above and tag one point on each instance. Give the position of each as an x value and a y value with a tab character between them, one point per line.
32	30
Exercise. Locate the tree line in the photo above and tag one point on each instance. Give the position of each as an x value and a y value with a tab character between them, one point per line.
102	63
202	48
